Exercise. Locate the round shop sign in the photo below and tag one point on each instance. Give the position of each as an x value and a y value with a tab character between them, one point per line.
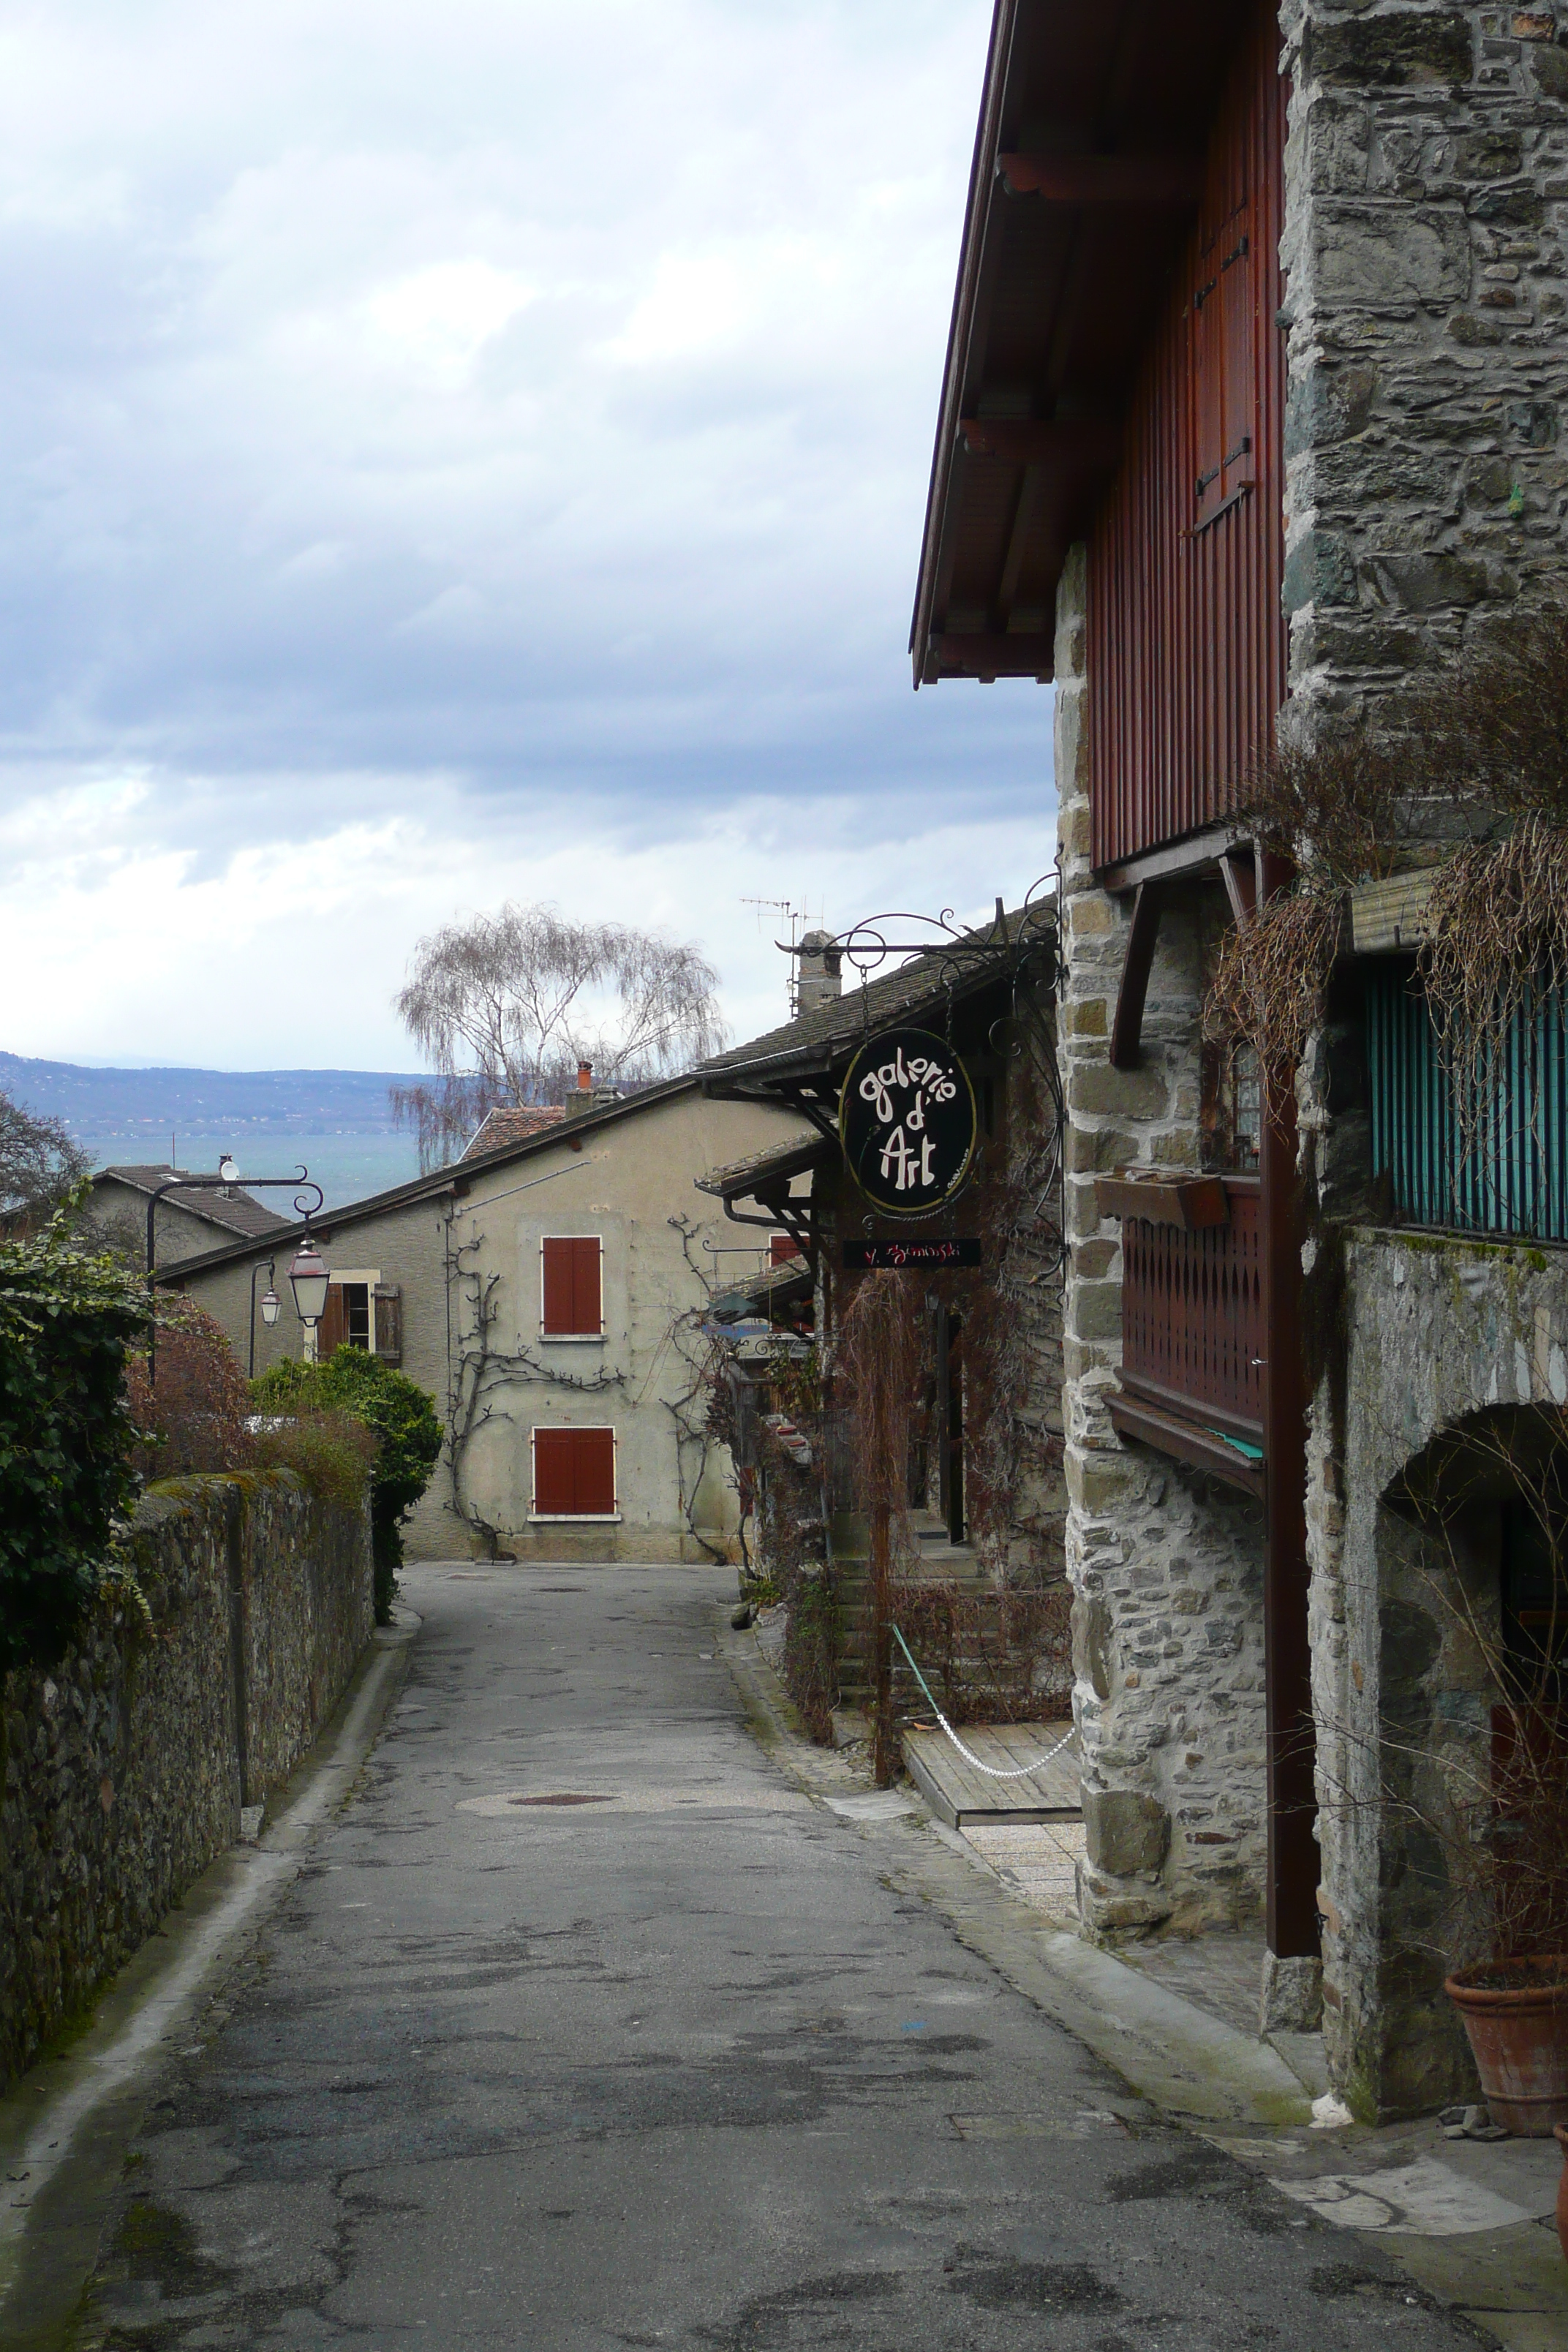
906	1120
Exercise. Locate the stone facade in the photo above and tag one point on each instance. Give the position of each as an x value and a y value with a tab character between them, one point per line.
125	1766
1166	1562
1443	1336
1425	297
1426	185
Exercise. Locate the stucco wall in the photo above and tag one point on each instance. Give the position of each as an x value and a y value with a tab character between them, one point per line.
632	1180
1439	1329
125	1765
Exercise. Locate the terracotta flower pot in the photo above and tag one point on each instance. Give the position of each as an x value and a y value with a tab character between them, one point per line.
1562	2132
1516	2014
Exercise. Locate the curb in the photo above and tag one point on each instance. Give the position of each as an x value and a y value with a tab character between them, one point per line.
1508	2284
1177	2056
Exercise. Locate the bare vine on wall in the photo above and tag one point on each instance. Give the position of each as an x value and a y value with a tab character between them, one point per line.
484	1374
688	1338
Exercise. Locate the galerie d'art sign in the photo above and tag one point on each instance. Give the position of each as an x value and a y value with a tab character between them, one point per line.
906	1120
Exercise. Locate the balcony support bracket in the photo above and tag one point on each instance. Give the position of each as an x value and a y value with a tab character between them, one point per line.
1127	1030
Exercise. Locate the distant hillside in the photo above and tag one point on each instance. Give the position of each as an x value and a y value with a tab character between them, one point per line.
256	1102
338	1122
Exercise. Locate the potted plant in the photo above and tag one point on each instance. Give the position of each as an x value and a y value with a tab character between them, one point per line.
1509	1824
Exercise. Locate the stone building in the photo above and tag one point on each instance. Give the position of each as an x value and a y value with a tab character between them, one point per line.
982	1271
1250	420
551	1295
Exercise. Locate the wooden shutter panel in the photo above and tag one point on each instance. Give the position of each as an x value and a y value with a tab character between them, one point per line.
587	1284
593	1469
571	1287
332	1327
1224	368
552	1486
386	1331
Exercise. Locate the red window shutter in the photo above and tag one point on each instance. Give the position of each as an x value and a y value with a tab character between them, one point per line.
595	1469
575	1472
572	1304
552	1484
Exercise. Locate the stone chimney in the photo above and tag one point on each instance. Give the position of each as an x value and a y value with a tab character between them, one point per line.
821	975
585	1096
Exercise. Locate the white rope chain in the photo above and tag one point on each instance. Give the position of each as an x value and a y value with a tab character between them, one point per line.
990	1770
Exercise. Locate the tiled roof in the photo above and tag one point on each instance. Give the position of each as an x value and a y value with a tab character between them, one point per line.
512	1123
234	1212
453	1178
833	1027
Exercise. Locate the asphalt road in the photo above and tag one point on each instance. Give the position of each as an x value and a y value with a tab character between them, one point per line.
678	2068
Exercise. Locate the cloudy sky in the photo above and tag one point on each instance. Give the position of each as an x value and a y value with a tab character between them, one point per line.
462	453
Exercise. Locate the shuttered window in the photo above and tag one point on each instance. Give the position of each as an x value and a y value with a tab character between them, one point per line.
1225	383
572	1291
574	1473
345	1319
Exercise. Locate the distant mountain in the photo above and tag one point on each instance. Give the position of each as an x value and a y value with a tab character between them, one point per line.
338	1122
149	1103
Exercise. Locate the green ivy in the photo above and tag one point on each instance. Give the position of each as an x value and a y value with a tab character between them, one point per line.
401	1415
67	1317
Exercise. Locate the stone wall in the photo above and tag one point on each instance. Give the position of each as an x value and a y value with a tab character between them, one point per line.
1427	179
1442	1333
1166	1563
125	1765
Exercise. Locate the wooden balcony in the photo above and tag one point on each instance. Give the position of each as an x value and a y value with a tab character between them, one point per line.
1192	1326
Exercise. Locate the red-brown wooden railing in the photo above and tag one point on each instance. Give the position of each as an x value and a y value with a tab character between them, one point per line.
1191	1315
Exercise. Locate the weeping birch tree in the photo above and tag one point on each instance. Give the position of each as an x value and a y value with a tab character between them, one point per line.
506	1007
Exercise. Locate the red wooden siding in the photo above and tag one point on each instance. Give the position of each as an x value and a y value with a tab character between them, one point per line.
573	1472
1186	640
1192	1314
571	1293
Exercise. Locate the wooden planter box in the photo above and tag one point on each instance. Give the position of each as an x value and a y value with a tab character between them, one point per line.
1191	1201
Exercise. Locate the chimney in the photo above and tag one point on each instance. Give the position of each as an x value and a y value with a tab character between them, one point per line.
820	977
585	1096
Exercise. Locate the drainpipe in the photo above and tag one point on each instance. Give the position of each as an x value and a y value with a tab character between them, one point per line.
1291	1917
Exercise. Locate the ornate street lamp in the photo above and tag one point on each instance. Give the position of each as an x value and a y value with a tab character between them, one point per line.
301	1184
271	1305
308	1279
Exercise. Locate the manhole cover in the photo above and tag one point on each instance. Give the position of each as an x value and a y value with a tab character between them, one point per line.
565	1798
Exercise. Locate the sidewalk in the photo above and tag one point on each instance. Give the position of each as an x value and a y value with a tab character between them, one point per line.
1468	2224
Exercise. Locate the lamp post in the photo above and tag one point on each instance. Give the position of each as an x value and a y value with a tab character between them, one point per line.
300	1184
271	1306
308	1279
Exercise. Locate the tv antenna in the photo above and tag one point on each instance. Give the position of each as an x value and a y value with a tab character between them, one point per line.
797	916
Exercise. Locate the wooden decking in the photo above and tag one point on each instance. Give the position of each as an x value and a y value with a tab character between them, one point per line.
959	1795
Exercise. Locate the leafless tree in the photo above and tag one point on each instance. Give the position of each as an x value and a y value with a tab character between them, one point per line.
507	1005
40	1165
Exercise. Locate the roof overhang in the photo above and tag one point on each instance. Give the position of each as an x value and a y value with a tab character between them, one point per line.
1086	178
767	1172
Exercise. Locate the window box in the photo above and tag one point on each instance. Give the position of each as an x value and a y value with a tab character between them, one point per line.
1194	1202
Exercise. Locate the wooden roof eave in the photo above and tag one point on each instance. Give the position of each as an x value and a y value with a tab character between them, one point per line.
1128	94
936	552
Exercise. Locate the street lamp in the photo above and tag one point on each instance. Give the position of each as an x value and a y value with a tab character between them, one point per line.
300	1184
308	1279
271	1305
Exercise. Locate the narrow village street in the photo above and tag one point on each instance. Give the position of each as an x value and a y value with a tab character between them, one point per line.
584	2027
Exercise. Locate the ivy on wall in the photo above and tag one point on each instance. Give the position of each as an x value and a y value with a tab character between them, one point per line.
68	1320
